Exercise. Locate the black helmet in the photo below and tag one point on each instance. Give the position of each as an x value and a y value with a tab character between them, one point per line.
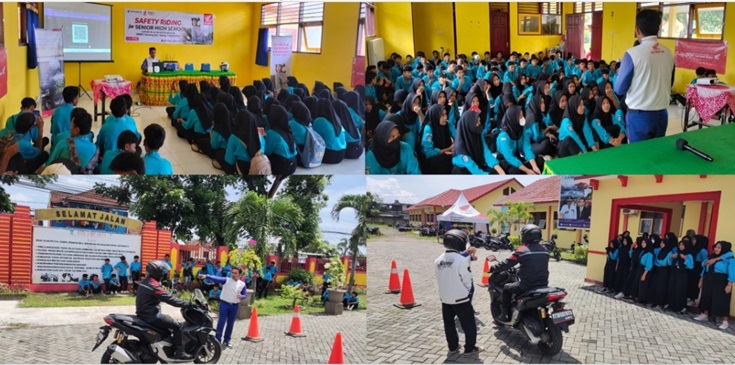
530	233
156	269
455	240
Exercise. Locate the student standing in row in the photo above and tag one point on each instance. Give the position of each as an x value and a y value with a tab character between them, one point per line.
716	284
682	263
612	250
122	268
135	271
106	274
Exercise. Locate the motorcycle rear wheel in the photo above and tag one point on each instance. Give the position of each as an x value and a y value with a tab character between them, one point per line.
107	358
553	345
215	351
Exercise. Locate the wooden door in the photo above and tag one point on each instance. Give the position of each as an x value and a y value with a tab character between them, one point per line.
596	36
500	33
575	35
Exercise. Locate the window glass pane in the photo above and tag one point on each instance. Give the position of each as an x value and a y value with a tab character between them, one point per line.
361	39
551	24
290	12
711	20
269	14
271	32
312	41
675	21
293	30
312	12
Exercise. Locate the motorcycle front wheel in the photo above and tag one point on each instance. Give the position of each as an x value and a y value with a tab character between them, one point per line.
210	353
552	346
496	311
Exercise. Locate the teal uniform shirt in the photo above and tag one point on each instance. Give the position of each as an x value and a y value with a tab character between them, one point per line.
10	126
464	161
567	131
61	119
193	122
299	131
274	143
325	129
110	131
25	146
511	149
217	142
236	150
182	109
617	119
157	165
107	160
86	151
408	165
401	83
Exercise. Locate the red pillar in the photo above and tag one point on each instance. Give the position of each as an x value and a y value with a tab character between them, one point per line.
149	243
5	221
21	251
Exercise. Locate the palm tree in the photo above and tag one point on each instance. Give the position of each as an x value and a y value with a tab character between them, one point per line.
259	217
518	212
363	205
343	246
498	216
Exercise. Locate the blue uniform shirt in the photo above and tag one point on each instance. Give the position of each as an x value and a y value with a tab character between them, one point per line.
511	149
111	130
567	131
106	271
299	131
217	142
467	162
86	151
325	129
122	268
107	160
61	119
135	266
275	144
193	122
236	150
157	165
407	165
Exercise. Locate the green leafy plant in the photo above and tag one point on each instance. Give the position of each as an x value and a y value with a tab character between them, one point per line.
246	258
336	269
581	253
300	275
515	241
493	231
293	293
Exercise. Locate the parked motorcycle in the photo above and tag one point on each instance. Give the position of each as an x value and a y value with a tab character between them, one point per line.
553	249
476	240
501	242
539	314
150	345
373	230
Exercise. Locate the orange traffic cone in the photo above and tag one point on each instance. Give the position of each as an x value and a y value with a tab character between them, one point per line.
407	301
337	357
295	330
485	275
254	329
394	285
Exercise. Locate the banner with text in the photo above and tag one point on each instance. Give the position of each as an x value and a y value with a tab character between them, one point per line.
575	203
62	256
77	214
170	27
3	71
281	60
693	54
50	54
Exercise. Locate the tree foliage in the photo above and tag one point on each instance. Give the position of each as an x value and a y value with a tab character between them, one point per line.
6	206
307	192
363	205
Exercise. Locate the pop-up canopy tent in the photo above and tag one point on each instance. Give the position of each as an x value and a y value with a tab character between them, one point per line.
463	212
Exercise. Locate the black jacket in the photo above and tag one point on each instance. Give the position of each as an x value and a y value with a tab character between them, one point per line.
534	271
149	298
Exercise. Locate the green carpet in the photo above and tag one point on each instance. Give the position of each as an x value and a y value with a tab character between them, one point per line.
657	156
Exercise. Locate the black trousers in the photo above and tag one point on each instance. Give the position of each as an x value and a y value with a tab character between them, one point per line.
714	299
96	291
205	146
281	165
242	166
463	171
135	278
263	286
124	283
466	315
544	147
354	150
333	156
508	292
170	111
440	164
512	170
107	285
568	147
31	166
167	323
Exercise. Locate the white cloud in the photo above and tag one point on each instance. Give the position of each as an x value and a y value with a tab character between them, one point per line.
389	189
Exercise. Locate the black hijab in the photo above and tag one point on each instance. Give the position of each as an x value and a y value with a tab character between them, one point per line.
360	89
224	82
238	100
725	247
300	93
269	85
343	112
340	91
589	104
318	87
283	95
687	251
247	131
301	113
354	101
387	154
249	91
292	81
204	112
469	139
625	248
702	243
511	122
289	102
441	137
670	242
269	103
372	119
604	118
409	116
325	109
260	87
278	119
222	120
190	94
518	84
576	119
311	102
495	91
435	96
304	88
326	94
255	106
568	81
534	113
556	113
398	98
214	91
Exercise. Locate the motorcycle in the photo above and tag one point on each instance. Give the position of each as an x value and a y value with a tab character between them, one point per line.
476	240
553	249
501	242
151	345
427	231
539	314
374	230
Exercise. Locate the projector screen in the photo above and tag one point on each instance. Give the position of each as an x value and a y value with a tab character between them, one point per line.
86	27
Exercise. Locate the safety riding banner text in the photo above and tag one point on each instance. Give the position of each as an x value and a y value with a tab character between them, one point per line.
146	26
694	54
281	60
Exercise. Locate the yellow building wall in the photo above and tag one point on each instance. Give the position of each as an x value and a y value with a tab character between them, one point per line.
691	219
532	44
619	34
473	27
645	186
394	23
433	26
22	82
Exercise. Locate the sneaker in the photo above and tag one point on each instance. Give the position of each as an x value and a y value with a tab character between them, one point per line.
701	317
455	351
724	325
619	295
477	349
228	345
216	165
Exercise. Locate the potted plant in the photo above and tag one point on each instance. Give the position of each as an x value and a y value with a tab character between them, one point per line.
336	270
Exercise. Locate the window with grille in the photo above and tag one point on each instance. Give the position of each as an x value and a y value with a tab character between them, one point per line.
587	7
303	21
365	26
549	15
539	219
703	21
501	7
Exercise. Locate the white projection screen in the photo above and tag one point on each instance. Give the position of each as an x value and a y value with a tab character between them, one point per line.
87	29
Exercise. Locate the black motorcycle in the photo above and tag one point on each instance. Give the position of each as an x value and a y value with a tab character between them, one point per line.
151	345
501	242
553	249
539	314
476	240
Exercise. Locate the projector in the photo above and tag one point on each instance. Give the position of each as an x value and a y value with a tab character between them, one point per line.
113	78
224	67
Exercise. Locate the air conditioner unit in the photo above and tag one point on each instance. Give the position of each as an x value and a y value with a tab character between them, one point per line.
630	212
375	51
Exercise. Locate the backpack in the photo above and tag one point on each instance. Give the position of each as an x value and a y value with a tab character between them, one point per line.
259	165
74	157
314	148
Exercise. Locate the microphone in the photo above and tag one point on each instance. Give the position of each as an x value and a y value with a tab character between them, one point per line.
683	145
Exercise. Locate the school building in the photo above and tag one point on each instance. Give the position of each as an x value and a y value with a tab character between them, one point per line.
336	34
603	30
658	204
480	197
544	195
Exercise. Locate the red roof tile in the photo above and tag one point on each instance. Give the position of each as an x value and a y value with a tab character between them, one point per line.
447	198
87	197
542	191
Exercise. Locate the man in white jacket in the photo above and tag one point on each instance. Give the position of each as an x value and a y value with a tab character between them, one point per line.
454	279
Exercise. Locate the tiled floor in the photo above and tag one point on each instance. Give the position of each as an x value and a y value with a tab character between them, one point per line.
187	162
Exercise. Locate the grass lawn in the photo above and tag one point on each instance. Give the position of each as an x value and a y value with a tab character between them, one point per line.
568	256
48	300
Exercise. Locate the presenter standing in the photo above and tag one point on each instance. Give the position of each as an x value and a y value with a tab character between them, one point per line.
149	60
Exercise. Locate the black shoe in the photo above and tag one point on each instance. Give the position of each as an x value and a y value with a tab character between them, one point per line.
473	351
181	354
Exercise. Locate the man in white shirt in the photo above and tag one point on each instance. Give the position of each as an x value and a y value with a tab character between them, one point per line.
568	210
645	77
233	290
454	280
149	60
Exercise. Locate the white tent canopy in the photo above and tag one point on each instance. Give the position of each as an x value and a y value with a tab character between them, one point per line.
462	212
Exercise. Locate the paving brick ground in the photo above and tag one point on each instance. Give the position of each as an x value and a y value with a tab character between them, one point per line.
607	330
71	344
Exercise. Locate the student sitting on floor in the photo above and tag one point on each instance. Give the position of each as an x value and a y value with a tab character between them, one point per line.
515	152
85	286
175	97
61	119
155	135
198	123
215	292
127	141
63	136
280	145
114	285
351	302
328	126
96	284
215	144
245	144
182	107
78	148
128	163
118	122
33	157
387	154
575	134
27	105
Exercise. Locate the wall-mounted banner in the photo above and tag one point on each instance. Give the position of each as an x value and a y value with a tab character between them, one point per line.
62	256
3	71
358	71
171	27
575	204
50	54
693	54
281	61
68	214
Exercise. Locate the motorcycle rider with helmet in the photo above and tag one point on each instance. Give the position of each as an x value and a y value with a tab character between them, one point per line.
534	271
148	304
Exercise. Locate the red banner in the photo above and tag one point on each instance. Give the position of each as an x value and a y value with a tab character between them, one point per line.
3	72
358	71
693	54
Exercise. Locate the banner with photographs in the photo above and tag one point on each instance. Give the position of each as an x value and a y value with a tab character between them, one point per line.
50	53
281	50
147	26
575	204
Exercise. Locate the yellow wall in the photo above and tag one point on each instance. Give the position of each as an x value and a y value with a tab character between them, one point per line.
565	237
22	82
644	186
394	23
619	34
473	27
532	44
433	26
